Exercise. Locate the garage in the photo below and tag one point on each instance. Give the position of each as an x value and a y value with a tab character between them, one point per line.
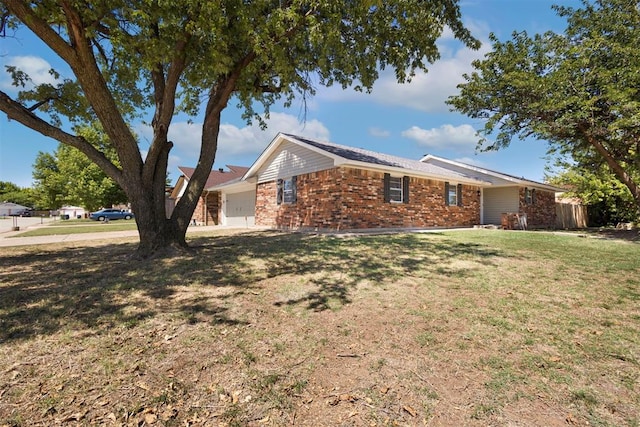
239	209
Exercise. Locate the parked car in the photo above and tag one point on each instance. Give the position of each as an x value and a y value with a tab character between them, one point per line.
104	214
24	212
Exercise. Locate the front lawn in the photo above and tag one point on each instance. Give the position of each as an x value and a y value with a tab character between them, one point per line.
79	227
268	329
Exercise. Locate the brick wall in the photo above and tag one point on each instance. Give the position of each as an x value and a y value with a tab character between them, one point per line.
207	209
346	198
542	213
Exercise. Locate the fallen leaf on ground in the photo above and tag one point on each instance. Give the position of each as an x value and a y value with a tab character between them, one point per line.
410	410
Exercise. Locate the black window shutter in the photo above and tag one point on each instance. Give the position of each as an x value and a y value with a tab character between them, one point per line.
459	194
294	185
387	184
446	193
526	200
279	191
533	196
405	189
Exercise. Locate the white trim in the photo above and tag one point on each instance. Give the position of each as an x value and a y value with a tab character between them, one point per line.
506	177
341	161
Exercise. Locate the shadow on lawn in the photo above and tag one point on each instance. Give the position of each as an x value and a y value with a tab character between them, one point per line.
101	288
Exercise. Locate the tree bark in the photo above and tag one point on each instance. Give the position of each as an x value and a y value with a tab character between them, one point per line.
617	169
143	180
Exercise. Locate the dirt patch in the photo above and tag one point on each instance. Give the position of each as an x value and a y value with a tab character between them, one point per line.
632	235
270	329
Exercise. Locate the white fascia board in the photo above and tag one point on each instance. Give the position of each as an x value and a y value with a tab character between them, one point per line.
266	153
505	177
236	186
272	148
428	157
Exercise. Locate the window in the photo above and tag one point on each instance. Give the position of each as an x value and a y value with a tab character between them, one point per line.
529	196
286	190
396	189
452	194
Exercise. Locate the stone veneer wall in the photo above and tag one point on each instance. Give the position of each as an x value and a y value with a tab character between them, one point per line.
542	213
207	215
347	198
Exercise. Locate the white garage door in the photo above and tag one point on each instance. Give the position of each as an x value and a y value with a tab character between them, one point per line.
240	209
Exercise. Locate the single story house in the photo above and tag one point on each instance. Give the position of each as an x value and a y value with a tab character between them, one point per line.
10	208
73	211
300	183
208	209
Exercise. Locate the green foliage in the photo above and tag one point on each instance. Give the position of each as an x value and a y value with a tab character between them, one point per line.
10	192
154	58
580	90
608	200
68	177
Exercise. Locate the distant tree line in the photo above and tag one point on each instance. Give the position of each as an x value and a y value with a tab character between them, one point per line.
67	177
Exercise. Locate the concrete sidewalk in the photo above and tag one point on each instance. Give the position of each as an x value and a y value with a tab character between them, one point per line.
12	238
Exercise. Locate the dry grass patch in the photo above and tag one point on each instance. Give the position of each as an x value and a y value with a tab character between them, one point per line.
466	328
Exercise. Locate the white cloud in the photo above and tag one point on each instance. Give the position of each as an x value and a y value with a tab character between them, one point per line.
379	133
233	141
426	91
35	67
461	138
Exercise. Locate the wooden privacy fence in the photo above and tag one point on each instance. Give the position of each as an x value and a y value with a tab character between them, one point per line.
570	215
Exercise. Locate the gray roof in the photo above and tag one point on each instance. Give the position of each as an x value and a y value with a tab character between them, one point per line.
494	177
375	158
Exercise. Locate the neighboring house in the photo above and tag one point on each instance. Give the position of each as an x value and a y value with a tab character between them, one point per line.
210	203
73	211
237	202
303	183
10	208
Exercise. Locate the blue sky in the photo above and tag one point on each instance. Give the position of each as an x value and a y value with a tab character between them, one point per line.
408	120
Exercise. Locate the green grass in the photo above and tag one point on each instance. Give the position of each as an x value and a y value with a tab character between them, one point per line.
78	227
476	327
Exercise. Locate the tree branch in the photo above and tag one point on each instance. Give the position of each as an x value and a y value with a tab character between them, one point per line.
37	105
16	111
615	166
165	88
41	28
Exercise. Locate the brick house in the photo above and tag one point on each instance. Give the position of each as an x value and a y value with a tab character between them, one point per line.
301	183
209	205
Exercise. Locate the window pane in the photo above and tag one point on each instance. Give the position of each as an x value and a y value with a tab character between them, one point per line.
288	191
395	189
453	195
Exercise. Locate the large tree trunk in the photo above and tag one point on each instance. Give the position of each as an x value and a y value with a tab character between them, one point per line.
160	236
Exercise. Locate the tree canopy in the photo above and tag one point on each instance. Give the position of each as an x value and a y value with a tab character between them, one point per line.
10	192
580	90
68	177
608	201
161	57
